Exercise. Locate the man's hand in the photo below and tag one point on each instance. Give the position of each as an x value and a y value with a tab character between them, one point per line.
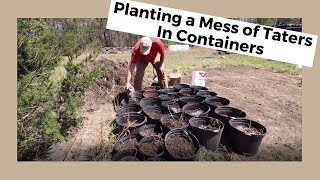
161	68
128	86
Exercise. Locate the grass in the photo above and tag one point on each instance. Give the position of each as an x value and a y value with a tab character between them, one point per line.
182	62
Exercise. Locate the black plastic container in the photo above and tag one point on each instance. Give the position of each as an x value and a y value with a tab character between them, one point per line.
197	88
145	102
167	90
128	153
157	129
138	118
151	110
127	101
225	114
128	109
172	106
209	138
136	94
186	92
214	102
117	146
150	94
167	97
192	99
196	106
151	139
246	143
180	86
185	134
177	116
205	93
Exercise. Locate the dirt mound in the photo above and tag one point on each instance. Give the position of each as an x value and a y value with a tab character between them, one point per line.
112	83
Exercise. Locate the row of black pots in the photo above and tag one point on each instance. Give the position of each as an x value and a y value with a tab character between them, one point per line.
225	114
166	150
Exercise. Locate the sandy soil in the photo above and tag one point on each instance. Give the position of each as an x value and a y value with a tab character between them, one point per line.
272	99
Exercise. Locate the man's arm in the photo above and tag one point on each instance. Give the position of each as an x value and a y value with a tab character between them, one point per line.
131	67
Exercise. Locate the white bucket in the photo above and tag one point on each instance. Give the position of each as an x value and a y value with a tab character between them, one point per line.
198	78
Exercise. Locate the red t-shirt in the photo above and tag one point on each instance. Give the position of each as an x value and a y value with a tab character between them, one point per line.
157	47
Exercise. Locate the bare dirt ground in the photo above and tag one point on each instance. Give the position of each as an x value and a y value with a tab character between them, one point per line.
273	99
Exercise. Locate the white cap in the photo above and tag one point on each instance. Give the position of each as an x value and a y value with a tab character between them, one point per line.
145	45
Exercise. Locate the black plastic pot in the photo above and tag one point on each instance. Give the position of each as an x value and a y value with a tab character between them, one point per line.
224	114
128	153
122	121
214	102
186	92
151	88
167	90
192	99
157	110
136	94
156	159
127	101
172	106
208	138
128	109
194	106
151	94
197	88
182	133
117	146
244	143
180	86
206	93
177	116
145	102
151	139
167	97
157	129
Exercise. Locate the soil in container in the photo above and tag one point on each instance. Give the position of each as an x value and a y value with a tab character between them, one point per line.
126	143
173	122
150	130
205	93
150	102
186	92
152	147
180	146
194	112
247	129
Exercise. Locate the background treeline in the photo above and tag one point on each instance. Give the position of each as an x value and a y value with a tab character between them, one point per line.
48	102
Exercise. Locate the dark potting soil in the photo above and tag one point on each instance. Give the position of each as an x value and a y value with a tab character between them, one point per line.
180	146
175	123
128	144
154	115
246	129
129	158
148	132
152	148
194	112
216	103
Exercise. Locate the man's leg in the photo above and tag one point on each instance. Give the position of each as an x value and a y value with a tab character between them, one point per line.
138	78
156	66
